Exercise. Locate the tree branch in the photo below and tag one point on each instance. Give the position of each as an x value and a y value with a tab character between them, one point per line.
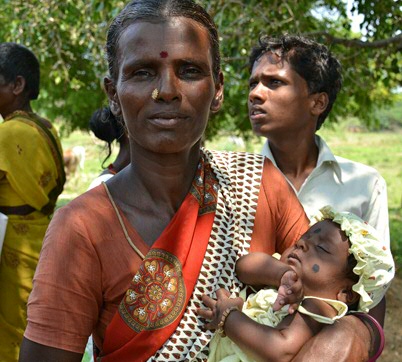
357	43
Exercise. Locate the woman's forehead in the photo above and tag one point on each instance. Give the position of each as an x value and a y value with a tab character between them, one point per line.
163	37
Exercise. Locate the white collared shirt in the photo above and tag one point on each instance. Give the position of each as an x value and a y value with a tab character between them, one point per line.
346	186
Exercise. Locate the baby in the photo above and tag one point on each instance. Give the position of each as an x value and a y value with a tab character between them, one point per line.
339	264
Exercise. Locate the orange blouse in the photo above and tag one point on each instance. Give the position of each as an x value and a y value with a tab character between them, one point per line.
87	264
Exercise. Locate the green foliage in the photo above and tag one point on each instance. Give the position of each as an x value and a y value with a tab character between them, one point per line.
69	36
391	118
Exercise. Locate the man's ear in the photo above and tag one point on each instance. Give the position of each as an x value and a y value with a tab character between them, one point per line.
114	102
348	295
216	103
19	85
319	103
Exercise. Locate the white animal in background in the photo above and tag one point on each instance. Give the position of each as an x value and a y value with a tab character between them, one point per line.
74	159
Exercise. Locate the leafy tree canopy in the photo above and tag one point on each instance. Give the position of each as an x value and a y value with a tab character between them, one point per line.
69	36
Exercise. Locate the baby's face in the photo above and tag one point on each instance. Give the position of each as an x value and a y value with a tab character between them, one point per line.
320	258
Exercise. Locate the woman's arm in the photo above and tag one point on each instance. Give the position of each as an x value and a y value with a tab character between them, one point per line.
35	352
348	340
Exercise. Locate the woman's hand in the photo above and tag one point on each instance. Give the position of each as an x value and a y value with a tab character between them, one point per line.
290	292
217	307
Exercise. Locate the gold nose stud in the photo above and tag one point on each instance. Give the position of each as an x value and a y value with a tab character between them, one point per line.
155	94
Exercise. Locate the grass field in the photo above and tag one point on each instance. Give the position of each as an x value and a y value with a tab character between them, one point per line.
382	150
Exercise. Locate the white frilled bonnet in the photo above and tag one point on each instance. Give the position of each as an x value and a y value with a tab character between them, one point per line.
375	265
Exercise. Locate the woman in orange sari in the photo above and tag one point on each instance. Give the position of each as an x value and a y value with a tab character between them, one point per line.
129	260
31	178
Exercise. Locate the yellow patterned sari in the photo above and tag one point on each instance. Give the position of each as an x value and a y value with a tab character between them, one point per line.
31	178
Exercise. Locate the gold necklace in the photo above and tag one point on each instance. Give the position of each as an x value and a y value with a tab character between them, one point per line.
142	256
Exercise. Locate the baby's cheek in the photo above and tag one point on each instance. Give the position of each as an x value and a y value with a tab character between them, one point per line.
284	256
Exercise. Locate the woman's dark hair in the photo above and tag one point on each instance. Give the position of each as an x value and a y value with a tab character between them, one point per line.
159	11
311	60
106	127
349	273
17	60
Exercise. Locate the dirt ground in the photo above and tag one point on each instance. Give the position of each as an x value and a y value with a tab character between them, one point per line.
393	323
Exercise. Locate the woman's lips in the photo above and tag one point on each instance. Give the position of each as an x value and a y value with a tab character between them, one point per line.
167	120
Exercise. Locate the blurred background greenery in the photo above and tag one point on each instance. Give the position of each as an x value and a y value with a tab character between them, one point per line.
69	37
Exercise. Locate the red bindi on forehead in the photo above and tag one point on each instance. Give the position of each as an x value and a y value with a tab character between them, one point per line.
164	54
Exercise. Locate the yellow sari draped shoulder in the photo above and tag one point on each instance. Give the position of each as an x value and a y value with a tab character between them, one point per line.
31	178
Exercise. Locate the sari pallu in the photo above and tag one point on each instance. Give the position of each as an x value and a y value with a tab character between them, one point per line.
197	252
31	178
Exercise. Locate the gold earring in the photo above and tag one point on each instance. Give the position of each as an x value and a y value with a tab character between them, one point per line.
155	94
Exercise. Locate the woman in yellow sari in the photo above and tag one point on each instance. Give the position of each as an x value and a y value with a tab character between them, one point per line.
31	178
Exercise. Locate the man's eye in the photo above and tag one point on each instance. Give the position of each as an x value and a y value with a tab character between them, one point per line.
252	85
275	82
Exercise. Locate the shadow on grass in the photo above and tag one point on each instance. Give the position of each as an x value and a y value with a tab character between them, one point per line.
395	220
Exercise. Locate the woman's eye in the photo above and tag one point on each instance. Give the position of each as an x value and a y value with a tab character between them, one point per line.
142	73
190	71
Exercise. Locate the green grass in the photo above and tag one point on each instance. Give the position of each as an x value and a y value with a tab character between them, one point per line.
382	150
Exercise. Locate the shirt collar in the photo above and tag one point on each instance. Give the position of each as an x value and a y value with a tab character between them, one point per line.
324	156
266	151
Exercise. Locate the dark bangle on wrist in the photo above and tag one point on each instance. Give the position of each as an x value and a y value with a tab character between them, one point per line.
221	324
376	332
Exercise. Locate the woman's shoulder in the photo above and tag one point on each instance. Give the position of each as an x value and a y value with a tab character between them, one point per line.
23	126
88	219
89	205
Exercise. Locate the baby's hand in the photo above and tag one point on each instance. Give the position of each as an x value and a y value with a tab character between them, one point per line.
289	292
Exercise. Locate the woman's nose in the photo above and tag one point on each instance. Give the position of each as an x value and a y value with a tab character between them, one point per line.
169	87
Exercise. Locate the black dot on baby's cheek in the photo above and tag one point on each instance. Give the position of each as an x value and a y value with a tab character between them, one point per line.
316	268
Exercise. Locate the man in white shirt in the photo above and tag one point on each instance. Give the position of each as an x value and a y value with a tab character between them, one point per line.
344	184
293	84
